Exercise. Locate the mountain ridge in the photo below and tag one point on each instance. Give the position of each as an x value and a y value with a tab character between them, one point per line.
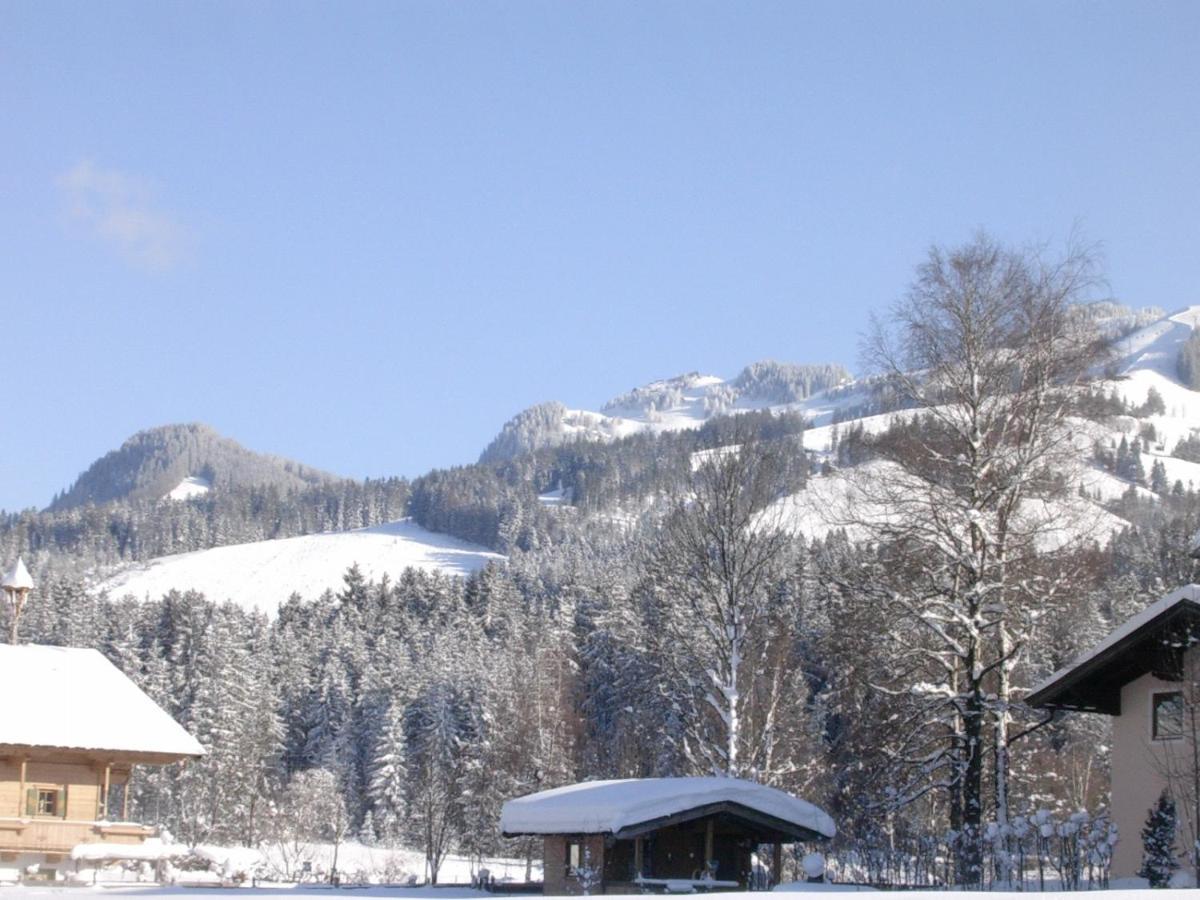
667	404
154	462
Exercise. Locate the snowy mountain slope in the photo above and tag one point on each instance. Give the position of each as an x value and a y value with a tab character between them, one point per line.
844	500
1156	347
263	574
1146	359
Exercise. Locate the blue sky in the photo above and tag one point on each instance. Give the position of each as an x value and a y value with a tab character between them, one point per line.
364	235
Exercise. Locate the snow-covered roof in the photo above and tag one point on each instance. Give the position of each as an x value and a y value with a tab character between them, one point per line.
597	807
76	699
17	577
1087	664
152	850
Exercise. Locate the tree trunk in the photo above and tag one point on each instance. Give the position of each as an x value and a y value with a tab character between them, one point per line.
970	856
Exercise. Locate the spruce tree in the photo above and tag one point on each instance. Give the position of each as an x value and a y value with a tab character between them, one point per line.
1158	843
1158	477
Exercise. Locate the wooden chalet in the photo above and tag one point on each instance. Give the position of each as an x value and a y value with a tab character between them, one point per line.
664	834
72	730
1137	676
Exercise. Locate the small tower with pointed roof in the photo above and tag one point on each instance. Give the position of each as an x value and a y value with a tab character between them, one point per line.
17	583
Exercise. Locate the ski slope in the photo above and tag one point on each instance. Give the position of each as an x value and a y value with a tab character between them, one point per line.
263	574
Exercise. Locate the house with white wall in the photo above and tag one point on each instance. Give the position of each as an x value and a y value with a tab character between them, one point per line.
1146	675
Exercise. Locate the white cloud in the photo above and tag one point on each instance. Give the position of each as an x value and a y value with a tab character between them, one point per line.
119	210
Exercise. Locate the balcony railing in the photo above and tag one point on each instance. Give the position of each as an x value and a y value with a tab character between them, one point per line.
60	835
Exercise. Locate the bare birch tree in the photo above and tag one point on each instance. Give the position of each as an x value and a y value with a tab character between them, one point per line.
719	555
971	493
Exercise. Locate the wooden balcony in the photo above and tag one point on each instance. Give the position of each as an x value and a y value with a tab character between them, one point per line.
61	835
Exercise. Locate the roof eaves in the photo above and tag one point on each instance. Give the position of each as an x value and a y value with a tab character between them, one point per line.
1047	692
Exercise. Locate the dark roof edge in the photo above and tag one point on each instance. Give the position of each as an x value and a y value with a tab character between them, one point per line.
1048	691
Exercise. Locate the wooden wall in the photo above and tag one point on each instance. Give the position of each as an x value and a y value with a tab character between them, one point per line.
556	880
83	779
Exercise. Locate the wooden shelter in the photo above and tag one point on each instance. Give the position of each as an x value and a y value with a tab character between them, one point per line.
667	834
72	730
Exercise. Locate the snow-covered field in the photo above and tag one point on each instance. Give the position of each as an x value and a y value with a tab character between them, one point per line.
263	574
274	864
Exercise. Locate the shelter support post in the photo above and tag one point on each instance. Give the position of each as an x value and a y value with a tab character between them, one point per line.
637	857
708	841
104	792
21	792
776	863
125	796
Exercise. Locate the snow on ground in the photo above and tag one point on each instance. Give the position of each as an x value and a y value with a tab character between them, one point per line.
26	892
853	500
559	497
272	891
192	486
282	864
1107	487
359	863
263	574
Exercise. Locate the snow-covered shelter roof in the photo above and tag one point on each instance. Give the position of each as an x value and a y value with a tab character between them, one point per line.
65	698
17	577
636	805
1153	640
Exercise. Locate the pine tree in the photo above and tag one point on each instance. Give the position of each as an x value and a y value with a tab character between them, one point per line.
1137	471
387	777
1154	405
1158	477
1122	463
1158	843
1189	361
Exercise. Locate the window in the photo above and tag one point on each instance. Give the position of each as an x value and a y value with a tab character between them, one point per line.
1167	721
46	800
574	856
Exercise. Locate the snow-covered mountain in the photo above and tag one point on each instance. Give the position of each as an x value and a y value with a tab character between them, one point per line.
263	574
181	461
685	401
1161	411
1148	347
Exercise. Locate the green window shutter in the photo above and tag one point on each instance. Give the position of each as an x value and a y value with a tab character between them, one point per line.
60	803
31	801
